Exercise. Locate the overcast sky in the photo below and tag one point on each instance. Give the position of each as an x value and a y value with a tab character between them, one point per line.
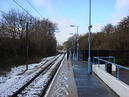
67	12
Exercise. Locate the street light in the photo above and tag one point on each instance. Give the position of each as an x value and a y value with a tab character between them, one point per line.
72	42
89	40
71	33
77	38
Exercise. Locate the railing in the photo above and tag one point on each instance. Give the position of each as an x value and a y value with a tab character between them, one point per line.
105	57
98	60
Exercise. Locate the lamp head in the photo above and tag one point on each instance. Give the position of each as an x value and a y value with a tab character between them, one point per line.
72	25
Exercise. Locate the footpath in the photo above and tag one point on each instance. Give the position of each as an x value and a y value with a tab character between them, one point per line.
89	85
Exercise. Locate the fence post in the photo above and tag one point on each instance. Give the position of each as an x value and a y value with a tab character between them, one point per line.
114	60
93	60
117	72
106	66
98	62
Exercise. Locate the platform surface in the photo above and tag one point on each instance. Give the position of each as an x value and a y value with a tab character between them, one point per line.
63	84
89	85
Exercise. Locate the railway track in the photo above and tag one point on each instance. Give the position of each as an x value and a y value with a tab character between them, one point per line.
37	86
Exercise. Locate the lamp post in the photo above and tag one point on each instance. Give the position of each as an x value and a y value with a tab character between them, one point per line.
89	40
77	27
73	44
27	43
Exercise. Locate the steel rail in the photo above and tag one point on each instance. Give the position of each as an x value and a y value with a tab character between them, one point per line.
15	94
51	78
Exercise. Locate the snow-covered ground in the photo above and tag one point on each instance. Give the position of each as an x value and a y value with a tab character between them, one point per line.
14	79
63	84
35	88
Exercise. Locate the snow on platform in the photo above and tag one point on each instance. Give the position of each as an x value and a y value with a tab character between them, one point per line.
63	84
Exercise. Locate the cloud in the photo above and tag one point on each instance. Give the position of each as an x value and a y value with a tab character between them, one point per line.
40	2
62	22
97	28
122	10
64	29
122	4
117	17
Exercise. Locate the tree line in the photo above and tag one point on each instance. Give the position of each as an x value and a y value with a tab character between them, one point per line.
13	30
111	37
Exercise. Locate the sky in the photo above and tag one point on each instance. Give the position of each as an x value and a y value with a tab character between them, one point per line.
73	12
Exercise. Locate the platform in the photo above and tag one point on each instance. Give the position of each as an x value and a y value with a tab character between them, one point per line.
89	85
63	84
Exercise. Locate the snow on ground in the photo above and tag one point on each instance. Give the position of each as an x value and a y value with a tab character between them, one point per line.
35	88
63	84
61	87
14	79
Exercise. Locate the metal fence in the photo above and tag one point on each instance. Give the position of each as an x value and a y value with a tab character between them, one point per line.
121	57
110	60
